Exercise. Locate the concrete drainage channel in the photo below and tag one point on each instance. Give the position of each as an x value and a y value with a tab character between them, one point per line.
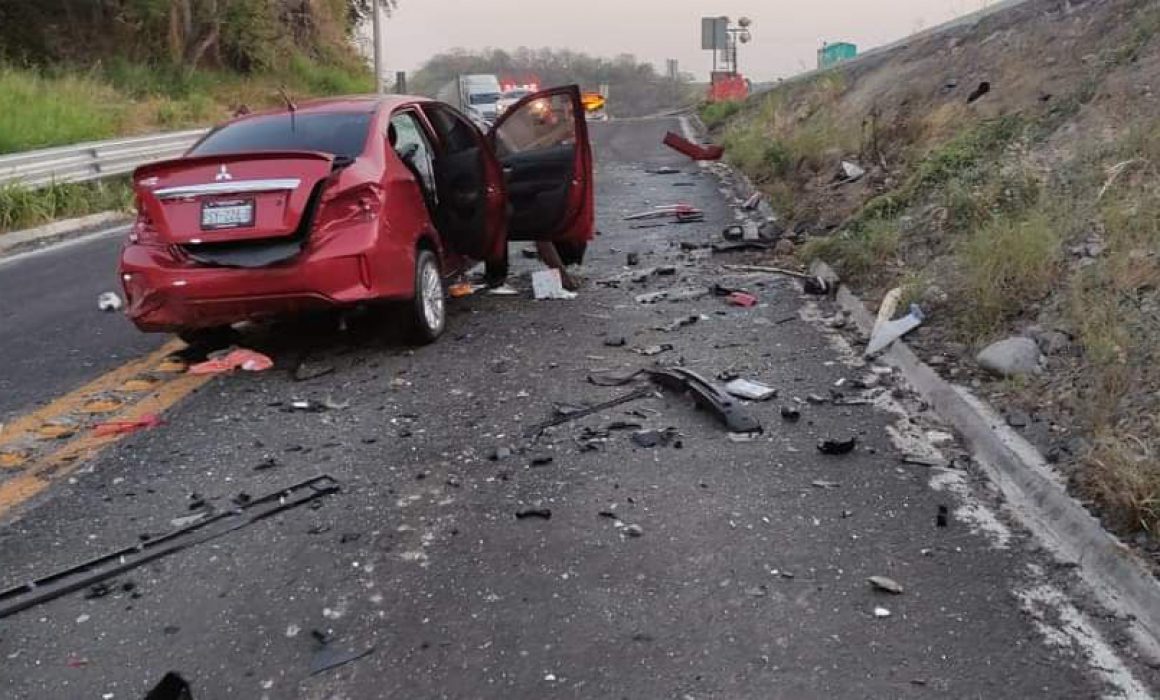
1034	495
16	242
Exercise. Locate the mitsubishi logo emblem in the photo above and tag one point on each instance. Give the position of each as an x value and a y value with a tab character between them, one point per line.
223	174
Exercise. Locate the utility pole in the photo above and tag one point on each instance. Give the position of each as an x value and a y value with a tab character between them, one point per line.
377	24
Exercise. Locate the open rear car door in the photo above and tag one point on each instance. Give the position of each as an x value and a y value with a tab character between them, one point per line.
542	144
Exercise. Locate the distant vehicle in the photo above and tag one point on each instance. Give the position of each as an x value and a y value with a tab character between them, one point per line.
477	95
343	202
512	96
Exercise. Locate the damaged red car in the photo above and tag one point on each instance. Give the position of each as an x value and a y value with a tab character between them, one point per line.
344	202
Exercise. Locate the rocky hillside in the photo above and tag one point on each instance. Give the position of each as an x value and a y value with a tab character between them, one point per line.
1010	189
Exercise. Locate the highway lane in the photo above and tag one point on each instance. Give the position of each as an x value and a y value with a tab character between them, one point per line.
745	578
52	337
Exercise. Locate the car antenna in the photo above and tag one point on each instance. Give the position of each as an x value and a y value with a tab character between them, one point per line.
289	105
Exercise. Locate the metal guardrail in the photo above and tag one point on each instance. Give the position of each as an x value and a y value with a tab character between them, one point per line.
92	161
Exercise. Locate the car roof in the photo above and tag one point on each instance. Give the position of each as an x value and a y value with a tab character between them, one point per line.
334	105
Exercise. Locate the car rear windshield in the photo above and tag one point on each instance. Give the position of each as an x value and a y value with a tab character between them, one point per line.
339	133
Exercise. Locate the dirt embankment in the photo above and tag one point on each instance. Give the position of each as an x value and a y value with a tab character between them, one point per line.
1011	189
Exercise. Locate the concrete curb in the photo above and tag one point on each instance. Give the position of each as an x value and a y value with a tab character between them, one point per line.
1034	493
18	240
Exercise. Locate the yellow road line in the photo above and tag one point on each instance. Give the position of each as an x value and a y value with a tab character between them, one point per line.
40	472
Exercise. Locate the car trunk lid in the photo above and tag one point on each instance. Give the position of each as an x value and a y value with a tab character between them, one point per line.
226	198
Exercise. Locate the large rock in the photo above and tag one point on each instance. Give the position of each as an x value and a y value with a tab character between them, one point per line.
1011	357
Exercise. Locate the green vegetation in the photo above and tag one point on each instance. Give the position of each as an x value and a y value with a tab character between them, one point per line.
866	251
76	70
714	114
22	208
1007	264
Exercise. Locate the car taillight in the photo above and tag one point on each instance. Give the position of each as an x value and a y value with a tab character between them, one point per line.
357	204
143	231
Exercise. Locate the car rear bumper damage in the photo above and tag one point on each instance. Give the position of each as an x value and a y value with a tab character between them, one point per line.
166	290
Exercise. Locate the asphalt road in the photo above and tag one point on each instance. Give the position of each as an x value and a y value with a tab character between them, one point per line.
54	338
748	578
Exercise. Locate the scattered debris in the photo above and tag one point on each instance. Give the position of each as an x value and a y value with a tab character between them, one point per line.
171	687
750	390
653	438
709	396
534	512
983	88
547	284
124	427
651	350
891	331
632	259
632	530
943	517
852	171
651	297
816	399
304	373
741	299
682	212
204	529
751	201
613	378
327	658
771	270
823	484
313	406
816	286
830	446
883	583
542	460
691	149
663	170
681	323
109	302
535	430
881	612
238	358
503	290
460	290
790	413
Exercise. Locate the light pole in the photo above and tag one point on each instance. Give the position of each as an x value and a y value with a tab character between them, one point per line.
377	26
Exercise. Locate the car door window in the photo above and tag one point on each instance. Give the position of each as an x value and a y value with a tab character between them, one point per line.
544	123
412	145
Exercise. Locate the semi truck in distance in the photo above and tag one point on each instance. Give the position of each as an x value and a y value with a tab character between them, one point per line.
475	95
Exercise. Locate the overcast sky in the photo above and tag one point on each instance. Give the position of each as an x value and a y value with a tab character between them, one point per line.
786	33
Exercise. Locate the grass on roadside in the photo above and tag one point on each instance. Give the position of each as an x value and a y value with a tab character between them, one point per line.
861	253
39	109
22	208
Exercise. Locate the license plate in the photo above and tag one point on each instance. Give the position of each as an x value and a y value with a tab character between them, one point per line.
232	214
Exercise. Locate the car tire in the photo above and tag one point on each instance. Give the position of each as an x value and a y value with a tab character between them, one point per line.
206	340
429	307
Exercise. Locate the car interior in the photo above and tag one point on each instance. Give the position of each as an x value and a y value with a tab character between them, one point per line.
459	183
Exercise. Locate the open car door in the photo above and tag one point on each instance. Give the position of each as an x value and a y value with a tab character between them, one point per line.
542	144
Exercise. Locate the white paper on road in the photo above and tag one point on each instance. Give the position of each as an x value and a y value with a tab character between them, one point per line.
546	284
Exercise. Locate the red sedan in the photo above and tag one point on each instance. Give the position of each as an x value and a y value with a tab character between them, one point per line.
342	202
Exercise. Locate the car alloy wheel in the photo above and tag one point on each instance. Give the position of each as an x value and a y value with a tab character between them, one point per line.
430	308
